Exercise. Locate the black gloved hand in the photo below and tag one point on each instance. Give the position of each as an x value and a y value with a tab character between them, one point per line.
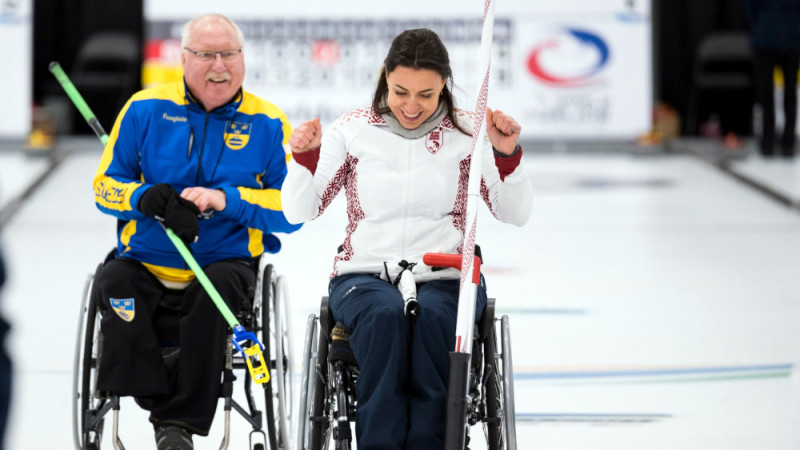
163	203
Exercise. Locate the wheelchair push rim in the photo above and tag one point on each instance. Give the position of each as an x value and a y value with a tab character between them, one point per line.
87	356
275	338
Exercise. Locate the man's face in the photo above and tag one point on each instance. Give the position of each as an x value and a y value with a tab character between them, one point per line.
213	81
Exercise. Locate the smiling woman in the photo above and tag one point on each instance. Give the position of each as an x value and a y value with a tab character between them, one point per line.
404	166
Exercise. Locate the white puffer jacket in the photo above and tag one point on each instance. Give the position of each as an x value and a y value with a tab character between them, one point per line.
405	197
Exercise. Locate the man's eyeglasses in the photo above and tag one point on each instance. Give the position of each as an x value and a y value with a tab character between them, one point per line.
226	55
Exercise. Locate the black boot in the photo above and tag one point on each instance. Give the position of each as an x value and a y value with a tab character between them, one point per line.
170	437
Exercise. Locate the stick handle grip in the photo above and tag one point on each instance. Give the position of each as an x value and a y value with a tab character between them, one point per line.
455	429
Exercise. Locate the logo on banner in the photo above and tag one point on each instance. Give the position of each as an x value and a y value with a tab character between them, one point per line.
569	59
124	308
325	52
434	140
237	135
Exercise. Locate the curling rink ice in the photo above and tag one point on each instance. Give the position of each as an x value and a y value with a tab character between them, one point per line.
654	301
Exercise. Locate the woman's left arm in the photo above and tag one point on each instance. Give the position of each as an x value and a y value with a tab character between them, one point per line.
504	185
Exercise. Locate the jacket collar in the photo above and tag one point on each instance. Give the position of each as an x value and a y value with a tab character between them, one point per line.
226	109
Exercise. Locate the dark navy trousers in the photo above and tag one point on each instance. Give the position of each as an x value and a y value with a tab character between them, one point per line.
402	386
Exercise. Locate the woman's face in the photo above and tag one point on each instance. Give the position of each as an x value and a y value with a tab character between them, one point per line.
413	94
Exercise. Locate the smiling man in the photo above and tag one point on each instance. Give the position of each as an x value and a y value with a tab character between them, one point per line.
199	147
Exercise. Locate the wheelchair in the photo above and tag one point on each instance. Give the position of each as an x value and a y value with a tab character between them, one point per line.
266	315
327	389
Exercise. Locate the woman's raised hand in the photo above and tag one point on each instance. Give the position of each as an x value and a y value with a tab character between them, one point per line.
503	131
307	136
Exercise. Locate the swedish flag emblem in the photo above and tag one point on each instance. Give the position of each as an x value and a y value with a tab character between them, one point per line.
124	308
237	135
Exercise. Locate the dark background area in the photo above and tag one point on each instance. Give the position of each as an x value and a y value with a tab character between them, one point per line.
59	29
60	26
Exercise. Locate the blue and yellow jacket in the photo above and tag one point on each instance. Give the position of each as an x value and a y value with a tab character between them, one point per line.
163	135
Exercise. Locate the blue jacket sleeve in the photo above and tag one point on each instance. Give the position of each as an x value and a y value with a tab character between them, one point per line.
117	181
262	208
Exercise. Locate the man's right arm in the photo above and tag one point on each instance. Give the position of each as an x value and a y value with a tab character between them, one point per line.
118	177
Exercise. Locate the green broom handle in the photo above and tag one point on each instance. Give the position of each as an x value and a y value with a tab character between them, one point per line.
77	99
203	279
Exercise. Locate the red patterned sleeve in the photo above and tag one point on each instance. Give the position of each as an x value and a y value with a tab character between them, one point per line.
506	163
308	159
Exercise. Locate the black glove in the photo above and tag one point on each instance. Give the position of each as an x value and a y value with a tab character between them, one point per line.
163	203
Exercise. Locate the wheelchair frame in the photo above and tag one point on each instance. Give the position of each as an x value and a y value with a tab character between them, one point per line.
268	316
327	390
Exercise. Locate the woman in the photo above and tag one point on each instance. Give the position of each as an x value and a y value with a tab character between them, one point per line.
404	166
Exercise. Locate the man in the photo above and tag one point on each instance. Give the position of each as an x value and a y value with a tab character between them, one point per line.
199	145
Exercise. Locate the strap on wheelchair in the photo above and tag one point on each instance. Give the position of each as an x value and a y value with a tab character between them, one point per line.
405	283
340	349
227	372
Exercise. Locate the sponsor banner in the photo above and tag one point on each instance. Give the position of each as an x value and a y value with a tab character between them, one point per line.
16	98
582	79
179	9
563	73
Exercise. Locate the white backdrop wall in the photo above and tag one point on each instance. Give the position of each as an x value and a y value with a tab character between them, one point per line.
15	97
574	69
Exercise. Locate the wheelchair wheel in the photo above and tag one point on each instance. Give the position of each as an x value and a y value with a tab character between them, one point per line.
314	430
88	348
508	385
277	350
499	425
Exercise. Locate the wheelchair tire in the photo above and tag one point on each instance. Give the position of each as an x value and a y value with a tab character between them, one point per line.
284	360
266	305
306	386
87	359
493	394
319	427
499	390
274	337
508	385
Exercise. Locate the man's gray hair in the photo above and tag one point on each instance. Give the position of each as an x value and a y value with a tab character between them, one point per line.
189	26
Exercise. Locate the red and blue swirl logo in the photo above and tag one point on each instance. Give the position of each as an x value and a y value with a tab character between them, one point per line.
569	59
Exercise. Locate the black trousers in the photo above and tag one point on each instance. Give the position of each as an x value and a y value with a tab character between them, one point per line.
131	360
764	65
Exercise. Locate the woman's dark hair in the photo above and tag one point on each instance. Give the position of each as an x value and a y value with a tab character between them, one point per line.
420	48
